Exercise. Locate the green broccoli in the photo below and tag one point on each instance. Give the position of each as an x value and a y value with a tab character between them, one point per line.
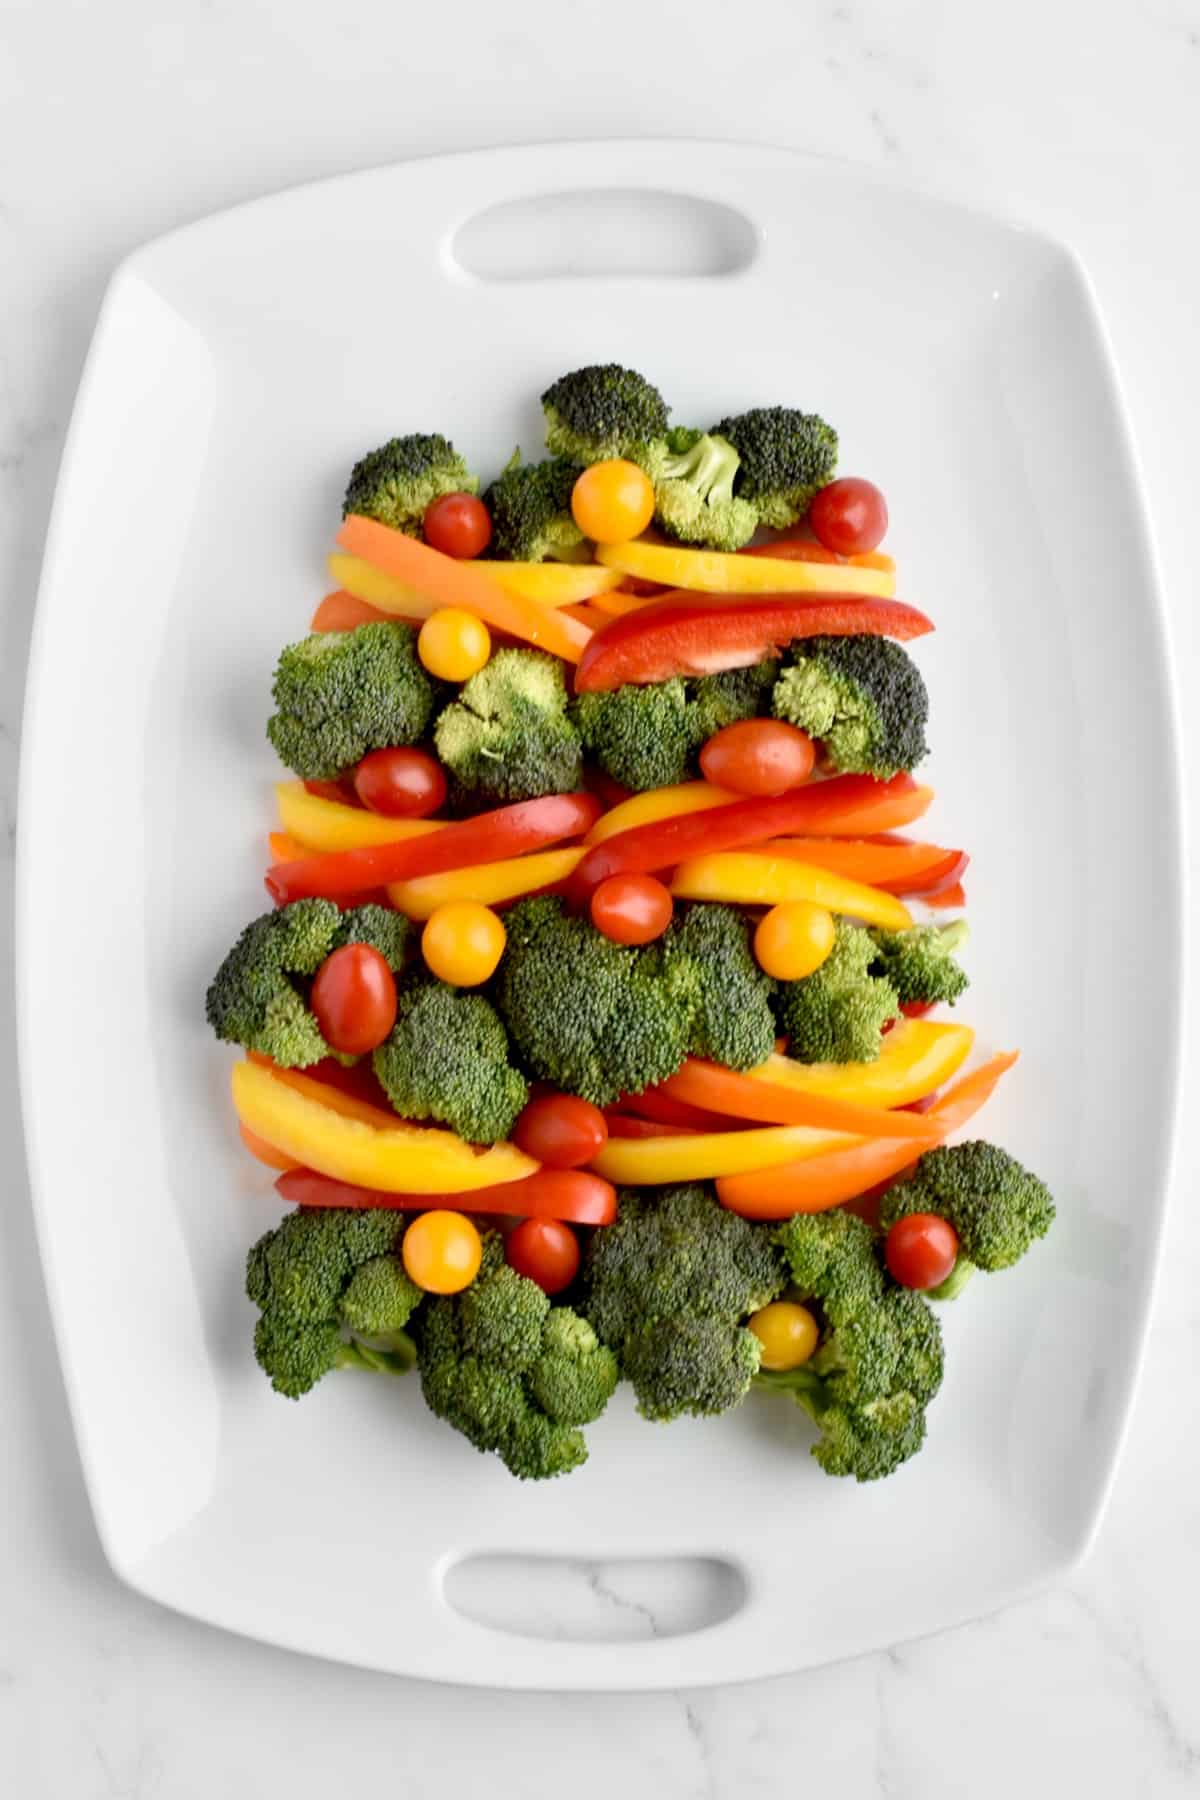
733	1022
447	1059
255	998
919	963
342	693
693	477
880	1359
862	696
837	1013
395	483
515	1375
332	1293
641	736
670	1285
715	701
594	1017
380	926
530	504
997	1208
508	736
785	455
603	411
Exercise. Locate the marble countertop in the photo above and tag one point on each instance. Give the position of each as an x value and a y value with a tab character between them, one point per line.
119	122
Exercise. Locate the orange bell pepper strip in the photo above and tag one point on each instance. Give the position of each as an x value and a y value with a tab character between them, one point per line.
620	601
751	878
901	868
317	823
448	582
818	1183
570	1194
707	1084
342	611
950	896
623	1125
282	847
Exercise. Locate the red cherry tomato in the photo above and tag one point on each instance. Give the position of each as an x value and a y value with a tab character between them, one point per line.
632	909
354	998
921	1250
458	525
561	1131
546	1251
849	516
400	784
758	756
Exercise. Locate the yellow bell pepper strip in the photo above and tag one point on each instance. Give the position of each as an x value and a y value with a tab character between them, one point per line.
719	572
747	878
703	1155
326	825
363	582
711	1085
490	883
550	583
351	1141
447	582
659	803
915	1058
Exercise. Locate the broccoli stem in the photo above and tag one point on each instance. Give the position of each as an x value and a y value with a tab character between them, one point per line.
394	1355
955	1281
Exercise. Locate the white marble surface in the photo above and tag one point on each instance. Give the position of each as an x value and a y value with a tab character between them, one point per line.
120	121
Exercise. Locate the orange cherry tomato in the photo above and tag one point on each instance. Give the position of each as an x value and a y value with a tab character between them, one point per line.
546	1251
400	783
613	501
758	756
454	644
354	998
561	1131
463	942
793	939
458	525
632	909
442	1252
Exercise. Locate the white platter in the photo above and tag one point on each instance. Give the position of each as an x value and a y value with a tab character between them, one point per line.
238	368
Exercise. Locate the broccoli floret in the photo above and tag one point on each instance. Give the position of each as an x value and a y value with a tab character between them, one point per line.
332	1293
530	504
864	697
642	736
255	998
342	693
447	1059
669	1286
785	457
880	1359
508	736
515	1375
920	963
395	483
603	411
997	1207
715	701
693	492
380	926
837	1013
593	1017
733	1022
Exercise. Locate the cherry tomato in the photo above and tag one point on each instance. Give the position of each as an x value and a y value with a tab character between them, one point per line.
758	756
787	1332
849	516
400	784
546	1251
442	1252
921	1250
354	998
463	942
561	1130
613	501
793	939
632	909
458	525
453	644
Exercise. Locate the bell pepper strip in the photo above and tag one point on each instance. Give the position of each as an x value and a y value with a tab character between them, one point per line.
704	1155
326	825
573	1195
343	611
901	868
357	1080
954	895
723	572
700	1084
914	1059
623	1125
658	803
265	1153
488	837
585	614
445	581
621	601
282	847
390	598
748	878
663	843
666	1108
490	883
551	583
686	633
808	550
819	1183
338	1136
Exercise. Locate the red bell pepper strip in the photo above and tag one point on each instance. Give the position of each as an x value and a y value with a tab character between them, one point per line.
666	842
489	837
667	1109
573	1195
620	1125
954	895
808	550
700	634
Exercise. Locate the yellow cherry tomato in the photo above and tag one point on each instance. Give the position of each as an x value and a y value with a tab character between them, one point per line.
793	939
454	644
613	501
787	1332
442	1252
462	942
